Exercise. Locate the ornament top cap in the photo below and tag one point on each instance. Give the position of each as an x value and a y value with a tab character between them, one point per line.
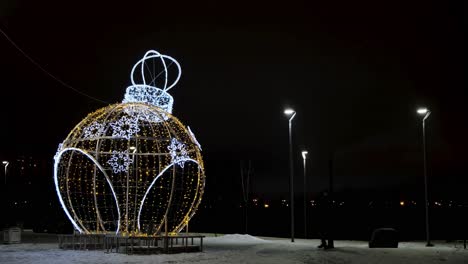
147	91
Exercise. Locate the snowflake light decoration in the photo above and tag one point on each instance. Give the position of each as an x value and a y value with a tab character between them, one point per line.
94	130
120	161
178	152
144	113
125	127
132	168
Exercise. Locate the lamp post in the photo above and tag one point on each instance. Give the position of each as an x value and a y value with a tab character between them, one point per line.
291	114
304	157
5	163
425	112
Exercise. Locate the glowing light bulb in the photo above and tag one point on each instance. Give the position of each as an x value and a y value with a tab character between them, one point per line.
422	111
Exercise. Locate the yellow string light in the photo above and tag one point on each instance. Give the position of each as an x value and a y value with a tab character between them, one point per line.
119	171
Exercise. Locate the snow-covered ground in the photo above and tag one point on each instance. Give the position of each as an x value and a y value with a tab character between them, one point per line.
248	249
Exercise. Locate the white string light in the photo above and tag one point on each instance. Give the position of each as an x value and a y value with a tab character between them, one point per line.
151	94
193	138
145	113
94	130
120	161
178	152
125	127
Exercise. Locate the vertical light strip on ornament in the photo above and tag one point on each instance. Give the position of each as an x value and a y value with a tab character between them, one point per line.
69	199
196	199
199	191
162	148
98	147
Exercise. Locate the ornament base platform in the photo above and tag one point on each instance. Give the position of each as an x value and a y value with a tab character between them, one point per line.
182	243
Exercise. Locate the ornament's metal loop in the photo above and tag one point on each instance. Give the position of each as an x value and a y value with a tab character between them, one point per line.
151	54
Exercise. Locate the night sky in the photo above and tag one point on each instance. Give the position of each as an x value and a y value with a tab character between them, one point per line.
355	73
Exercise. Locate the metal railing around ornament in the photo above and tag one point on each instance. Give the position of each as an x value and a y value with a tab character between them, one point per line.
133	244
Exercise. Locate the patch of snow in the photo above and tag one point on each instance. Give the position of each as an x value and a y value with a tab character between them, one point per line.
237	248
235	238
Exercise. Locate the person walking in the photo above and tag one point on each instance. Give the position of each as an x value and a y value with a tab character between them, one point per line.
325	220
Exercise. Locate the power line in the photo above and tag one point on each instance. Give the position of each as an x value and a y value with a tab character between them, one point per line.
48	73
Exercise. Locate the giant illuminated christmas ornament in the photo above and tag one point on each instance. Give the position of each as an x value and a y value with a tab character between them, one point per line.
132	168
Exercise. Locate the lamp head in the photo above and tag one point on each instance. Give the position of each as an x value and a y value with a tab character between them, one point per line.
422	110
304	154
5	162
289	111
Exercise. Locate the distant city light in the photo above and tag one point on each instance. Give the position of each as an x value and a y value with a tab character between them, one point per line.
402	203
266	205
255	201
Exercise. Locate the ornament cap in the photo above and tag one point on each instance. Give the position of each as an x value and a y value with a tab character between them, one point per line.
151	92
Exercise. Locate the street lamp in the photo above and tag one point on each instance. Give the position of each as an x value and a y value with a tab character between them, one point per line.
291	113
304	157
5	163
425	112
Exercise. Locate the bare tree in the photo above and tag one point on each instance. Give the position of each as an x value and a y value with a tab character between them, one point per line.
245	184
